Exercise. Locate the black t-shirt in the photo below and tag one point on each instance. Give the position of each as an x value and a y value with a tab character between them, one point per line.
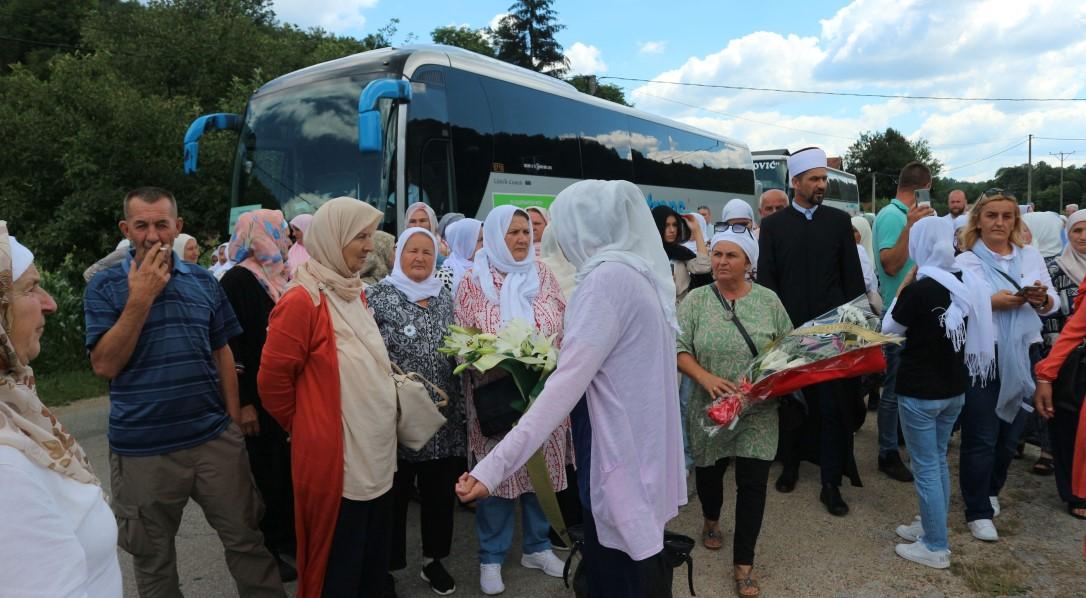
930	368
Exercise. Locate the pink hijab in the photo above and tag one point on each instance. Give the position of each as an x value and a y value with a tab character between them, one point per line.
298	254
260	244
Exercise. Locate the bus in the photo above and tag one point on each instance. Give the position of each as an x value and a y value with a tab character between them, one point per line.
460	131
842	192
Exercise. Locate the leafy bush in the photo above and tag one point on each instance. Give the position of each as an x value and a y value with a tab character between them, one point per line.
62	343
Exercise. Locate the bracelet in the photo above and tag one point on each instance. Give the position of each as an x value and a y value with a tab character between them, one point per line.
1039	381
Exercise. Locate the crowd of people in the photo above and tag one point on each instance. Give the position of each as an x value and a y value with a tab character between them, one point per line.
263	389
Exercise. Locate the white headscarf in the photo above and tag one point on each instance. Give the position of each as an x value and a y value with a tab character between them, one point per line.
737	208
609	221
1070	261
179	244
860	223
551	255
415	291
21	259
745	241
462	237
930	248
691	244
521	283
418	205
1046	228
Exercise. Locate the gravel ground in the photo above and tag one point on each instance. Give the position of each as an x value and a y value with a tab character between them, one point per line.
803	551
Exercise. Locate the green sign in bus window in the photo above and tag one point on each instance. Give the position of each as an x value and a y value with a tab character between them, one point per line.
523	200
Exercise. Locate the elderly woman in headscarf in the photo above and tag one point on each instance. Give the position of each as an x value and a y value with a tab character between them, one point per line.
673	231
379	261
714	352
260	245
325	377
861	231
540	219
58	536
1068	271
298	255
628	441
413	311
225	263
945	317
421	215
505	284
465	238
186	247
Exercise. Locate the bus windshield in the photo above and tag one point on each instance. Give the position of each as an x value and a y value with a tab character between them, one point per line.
772	173
299	148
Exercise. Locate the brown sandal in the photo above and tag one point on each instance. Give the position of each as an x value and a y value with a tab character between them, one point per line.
711	538
746	587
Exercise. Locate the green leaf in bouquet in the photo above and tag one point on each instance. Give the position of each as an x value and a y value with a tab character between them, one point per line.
489	361
525	378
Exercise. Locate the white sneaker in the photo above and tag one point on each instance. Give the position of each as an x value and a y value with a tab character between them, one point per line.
545	560
984	529
995	505
490	579
912	532
918	553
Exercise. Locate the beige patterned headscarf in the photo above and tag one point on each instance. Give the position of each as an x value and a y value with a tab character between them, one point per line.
25	423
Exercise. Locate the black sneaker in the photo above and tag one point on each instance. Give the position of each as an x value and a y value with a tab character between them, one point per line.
439	579
892	466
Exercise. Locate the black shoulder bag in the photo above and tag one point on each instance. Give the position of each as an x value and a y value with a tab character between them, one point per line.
729	314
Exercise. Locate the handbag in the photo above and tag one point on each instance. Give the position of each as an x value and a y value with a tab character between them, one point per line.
676	553
417	415
494	406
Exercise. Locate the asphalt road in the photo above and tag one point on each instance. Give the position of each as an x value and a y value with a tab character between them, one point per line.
803	551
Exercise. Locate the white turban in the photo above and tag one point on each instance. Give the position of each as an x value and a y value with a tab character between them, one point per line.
737	208
21	258
745	241
806	159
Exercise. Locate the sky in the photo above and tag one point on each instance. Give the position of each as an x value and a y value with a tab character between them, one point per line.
957	48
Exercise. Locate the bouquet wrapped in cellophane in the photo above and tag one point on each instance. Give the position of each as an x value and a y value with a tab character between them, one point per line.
842	343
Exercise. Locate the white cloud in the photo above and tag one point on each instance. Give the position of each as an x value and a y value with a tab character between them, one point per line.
497	20
337	16
585	60
652	47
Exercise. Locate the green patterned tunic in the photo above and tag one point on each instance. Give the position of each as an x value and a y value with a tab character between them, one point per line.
718	347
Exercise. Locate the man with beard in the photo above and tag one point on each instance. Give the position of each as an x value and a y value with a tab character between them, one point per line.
808	257
956	204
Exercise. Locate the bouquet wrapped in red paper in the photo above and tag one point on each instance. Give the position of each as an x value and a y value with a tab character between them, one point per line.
842	343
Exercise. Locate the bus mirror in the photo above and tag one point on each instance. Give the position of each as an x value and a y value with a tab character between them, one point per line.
219	121
370	135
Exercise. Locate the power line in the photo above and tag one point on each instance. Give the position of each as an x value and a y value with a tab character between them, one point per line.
1003	151
760	122
39	43
843	93
1062	138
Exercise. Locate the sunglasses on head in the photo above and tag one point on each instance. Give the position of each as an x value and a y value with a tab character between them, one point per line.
996	191
721	227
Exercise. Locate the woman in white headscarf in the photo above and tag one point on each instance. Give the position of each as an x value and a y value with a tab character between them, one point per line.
946	319
508	283
861	231
629	443
465	238
551	255
540	219
738	211
325	377
298	255
186	247
706	231
413	311
58	536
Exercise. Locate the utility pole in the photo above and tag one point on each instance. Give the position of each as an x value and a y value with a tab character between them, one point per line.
873	210
1061	156
1029	173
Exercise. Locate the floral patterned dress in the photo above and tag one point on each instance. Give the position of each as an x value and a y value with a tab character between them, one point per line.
474	310
717	345
413	334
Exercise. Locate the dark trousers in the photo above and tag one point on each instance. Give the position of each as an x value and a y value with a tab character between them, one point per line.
1062	429
569	500
834	440
751	478
987	449
436	481
358	560
269	458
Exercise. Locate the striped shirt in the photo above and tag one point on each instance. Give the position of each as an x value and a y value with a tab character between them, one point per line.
167	397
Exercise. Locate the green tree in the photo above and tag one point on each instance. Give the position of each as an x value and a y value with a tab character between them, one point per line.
526	38
36	30
475	40
885	154
607	91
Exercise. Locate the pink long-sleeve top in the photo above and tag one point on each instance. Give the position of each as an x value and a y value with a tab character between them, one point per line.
622	353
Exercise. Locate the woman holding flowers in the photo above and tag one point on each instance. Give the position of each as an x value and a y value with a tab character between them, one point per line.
723	327
413	310
507	283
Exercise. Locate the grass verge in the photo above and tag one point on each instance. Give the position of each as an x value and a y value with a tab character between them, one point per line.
992	579
62	387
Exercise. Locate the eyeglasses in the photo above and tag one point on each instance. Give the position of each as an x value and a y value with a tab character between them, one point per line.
997	192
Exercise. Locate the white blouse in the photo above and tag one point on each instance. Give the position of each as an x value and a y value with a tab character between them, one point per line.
58	537
1033	269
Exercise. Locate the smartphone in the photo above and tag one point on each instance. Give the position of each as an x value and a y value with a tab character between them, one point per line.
1030	289
923	197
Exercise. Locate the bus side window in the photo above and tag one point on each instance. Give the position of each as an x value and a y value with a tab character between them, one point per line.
435	177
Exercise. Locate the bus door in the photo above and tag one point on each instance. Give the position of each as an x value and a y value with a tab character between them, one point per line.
429	167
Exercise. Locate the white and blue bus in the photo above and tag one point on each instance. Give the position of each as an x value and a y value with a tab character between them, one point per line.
842	192
462	132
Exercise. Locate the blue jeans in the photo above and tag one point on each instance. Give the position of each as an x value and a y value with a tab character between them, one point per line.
927	424
494	526
888	403
988	446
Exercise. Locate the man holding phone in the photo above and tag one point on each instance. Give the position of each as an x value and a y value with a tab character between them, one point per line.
892	226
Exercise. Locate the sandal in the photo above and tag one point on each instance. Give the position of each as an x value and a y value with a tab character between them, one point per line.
711	538
745	587
1043	466
1076	506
